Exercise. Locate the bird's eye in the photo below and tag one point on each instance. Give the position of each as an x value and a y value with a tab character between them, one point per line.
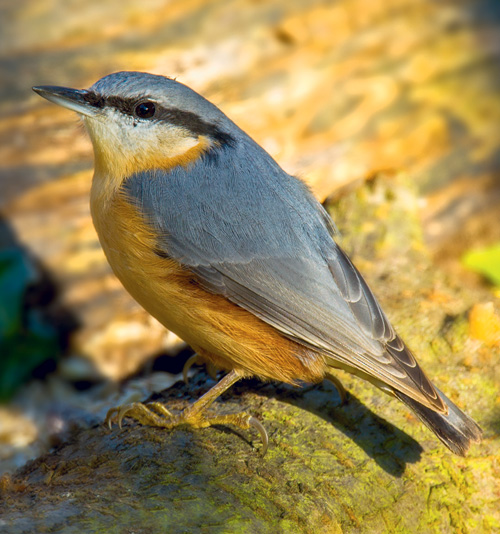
145	110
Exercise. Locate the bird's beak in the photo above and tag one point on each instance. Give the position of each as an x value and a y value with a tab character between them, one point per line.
74	99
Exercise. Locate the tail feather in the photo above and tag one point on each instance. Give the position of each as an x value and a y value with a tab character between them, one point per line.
456	429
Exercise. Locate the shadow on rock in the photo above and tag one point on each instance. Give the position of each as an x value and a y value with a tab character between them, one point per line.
389	446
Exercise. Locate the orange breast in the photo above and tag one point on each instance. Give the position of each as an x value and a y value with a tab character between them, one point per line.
224	333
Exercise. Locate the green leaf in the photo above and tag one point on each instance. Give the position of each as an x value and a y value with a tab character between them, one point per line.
27	340
21	355
485	261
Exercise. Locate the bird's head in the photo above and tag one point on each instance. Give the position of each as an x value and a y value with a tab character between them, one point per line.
139	121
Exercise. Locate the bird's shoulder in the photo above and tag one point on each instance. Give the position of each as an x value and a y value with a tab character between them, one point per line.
234	203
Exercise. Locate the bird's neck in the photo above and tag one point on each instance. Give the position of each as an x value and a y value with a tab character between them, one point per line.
113	168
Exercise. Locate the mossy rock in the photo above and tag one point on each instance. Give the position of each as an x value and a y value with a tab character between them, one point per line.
329	468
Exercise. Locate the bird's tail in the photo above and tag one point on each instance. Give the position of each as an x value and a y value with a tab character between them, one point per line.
456	429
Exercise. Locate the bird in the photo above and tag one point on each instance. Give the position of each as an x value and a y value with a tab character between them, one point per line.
237	257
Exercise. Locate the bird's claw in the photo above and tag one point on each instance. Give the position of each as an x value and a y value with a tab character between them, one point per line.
255	423
153	413
187	366
338	386
116	415
197	359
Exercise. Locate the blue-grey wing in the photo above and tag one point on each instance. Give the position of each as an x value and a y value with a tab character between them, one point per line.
252	233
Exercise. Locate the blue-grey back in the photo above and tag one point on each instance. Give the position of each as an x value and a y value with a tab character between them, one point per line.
237	202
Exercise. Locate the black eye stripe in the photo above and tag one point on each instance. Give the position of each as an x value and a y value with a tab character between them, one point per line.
184	119
94	99
124	105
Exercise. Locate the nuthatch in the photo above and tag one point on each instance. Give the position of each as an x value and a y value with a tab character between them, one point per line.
234	255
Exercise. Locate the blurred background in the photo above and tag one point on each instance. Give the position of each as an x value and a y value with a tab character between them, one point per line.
337	91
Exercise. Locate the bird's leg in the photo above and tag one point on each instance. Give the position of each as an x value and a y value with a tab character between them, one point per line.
197	359
338	386
156	414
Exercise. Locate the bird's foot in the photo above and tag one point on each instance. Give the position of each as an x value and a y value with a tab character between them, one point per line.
156	414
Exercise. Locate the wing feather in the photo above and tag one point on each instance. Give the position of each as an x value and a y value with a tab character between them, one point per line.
257	236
